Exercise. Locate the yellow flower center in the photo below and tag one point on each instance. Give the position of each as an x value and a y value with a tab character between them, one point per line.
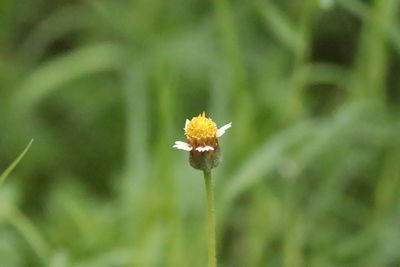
201	130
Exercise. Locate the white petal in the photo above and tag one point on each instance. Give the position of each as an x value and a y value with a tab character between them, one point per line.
204	148
182	146
222	130
186	124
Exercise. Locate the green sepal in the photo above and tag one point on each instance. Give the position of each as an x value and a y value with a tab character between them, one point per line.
205	160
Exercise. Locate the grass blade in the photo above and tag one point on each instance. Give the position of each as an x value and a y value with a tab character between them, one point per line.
15	163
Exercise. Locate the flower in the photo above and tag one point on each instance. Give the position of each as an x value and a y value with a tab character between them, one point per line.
202	134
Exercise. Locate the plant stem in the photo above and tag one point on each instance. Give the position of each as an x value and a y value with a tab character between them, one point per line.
212	258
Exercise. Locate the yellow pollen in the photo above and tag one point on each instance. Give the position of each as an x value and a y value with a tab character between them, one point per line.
201	129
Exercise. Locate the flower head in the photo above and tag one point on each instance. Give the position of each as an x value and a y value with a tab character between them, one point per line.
202	133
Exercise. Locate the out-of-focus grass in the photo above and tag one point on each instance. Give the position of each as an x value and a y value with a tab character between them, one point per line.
6	172
311	167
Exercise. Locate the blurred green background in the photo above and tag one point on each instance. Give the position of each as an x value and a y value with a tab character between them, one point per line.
311	166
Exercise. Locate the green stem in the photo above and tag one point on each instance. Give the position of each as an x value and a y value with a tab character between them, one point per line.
212	258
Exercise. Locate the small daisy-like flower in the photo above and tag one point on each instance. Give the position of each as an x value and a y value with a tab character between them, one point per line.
202	134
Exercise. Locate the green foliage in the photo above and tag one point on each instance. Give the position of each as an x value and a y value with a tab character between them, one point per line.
14	164
310	173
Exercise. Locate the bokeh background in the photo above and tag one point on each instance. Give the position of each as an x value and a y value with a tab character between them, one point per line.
311	170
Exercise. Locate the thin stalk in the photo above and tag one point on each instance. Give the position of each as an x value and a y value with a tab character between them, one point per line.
212	258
